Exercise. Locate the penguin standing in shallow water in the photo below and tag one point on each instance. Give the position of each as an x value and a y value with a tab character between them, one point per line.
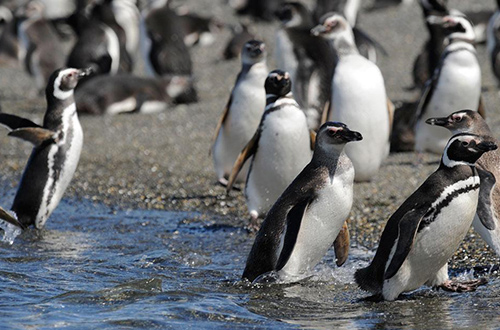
428	227
57	147
456	83
487	221
358	98
303	223
243	112
280	148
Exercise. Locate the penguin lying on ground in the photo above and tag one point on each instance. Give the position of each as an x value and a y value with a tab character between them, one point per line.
280	148
358	98
428	227
241	116
487	221
57	147
305	221
125	93
456	83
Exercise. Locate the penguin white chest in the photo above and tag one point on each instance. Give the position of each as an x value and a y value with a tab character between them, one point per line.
321	223
435	243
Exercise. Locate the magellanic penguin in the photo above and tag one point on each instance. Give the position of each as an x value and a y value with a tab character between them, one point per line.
487	221
42	49
57	147
304	222
428	227
126	93
456	84
493	42
358	98
280	148
241	116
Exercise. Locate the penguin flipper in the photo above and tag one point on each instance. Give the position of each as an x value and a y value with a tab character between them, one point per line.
312	136
341	245
246	153
35	135
14	122
484	209
8	217
407	229
221	121
327	109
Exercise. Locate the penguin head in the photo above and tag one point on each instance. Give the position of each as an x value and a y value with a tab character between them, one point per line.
63	81
332	25
456	27
278	83
466	149
253	51
336	135
294	14
463	121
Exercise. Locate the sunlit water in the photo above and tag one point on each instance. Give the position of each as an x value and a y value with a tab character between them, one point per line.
93	268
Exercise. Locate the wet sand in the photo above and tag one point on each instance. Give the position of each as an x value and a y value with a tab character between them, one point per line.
161	161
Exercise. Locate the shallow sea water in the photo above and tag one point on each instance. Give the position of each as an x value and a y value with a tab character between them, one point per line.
96	268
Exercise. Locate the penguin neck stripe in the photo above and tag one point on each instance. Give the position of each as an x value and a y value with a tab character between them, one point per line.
452	163
280	103
58	93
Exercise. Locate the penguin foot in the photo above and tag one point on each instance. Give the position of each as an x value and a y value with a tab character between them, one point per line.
223	182
466	286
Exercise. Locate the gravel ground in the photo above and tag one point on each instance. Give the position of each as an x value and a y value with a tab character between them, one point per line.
161	161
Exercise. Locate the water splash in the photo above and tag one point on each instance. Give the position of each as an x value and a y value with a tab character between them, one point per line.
10	232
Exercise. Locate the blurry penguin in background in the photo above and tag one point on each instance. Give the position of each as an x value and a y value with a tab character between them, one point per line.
9	44
259	9
128	17
198	29
42	50
493	42
163	47
241	34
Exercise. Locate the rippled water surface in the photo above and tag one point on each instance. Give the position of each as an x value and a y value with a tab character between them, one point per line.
96	268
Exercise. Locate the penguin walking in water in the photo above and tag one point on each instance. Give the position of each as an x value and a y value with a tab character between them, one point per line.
243	111
306	219
428	227
358	98
487	221
456	83
56	152
280	148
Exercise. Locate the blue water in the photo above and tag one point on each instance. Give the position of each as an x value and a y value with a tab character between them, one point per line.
95	268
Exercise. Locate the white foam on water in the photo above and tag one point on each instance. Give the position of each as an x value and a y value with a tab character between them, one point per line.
10	232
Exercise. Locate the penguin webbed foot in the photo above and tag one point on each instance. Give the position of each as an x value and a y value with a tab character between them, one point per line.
463	286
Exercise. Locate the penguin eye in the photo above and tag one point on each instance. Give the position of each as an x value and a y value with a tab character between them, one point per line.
458	119
465	143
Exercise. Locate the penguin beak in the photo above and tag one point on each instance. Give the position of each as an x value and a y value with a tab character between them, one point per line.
85	72
318	30
435	20
486	146
349	136
441	121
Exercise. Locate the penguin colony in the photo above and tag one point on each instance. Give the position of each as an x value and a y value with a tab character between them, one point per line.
295	139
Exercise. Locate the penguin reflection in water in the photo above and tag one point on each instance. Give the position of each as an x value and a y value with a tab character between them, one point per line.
57	147
428	227
303	223
280	148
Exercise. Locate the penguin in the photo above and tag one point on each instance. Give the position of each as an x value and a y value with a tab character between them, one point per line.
259	9
307	58
456	83
128	17
241	116
428	227
306	219
358	97
126	93
57	147
487	221
9	44
241	34
493	42
280	148
198	29
43	52
163	47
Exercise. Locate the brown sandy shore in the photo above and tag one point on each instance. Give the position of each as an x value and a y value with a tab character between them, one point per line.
161	161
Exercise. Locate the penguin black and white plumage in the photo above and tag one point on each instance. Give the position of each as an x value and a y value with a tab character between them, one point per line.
126	93
101	41
456	83
304	222
198	29
487	219
127	15
260	9
162	43
279	149
42	49
428	227
308	59
358	98
241	34
56	152
243	112
493	42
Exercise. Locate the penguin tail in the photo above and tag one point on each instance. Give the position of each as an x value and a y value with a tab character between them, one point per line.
366	279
